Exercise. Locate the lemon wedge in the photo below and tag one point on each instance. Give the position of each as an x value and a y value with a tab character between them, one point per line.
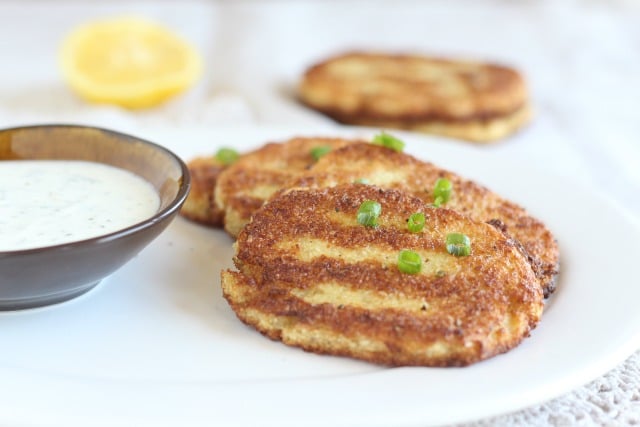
129	62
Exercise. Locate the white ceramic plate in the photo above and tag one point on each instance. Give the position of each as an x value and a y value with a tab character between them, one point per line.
156	343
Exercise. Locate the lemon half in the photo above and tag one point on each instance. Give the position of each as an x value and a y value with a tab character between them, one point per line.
128	61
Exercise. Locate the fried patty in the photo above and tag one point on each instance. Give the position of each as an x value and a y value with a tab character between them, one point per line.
392	169
311	276
475	101
244	186
199	205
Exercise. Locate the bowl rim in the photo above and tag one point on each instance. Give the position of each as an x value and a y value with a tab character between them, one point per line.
158	216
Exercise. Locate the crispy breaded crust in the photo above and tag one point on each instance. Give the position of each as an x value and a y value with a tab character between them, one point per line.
481	131
199	205
244	186
311	276
391	169
470	100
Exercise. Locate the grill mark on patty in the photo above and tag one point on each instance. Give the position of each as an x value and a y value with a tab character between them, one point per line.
410	119
485	308
244	186
349	88
361	160
349	319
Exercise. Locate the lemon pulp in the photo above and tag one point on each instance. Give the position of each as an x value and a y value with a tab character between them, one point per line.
129	62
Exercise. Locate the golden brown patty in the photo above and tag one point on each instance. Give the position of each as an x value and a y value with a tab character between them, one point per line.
313	277
391	169
199	205
470	100
244	186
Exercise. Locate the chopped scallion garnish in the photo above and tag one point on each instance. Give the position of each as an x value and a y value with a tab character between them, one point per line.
441	191
458	244
319	151
388	141
409	262
227	156
361	181
368	213
415	224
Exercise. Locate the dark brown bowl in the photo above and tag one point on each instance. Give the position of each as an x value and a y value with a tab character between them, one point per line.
52	274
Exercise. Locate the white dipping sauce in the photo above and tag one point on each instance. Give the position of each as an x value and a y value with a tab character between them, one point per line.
49	202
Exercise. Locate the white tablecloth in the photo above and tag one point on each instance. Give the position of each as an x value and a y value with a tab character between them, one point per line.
581	58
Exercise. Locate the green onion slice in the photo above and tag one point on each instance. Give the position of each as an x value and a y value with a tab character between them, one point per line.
319	151
409	262
368	213
415	224
458	244
361	181
441	191
388	141
227	156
